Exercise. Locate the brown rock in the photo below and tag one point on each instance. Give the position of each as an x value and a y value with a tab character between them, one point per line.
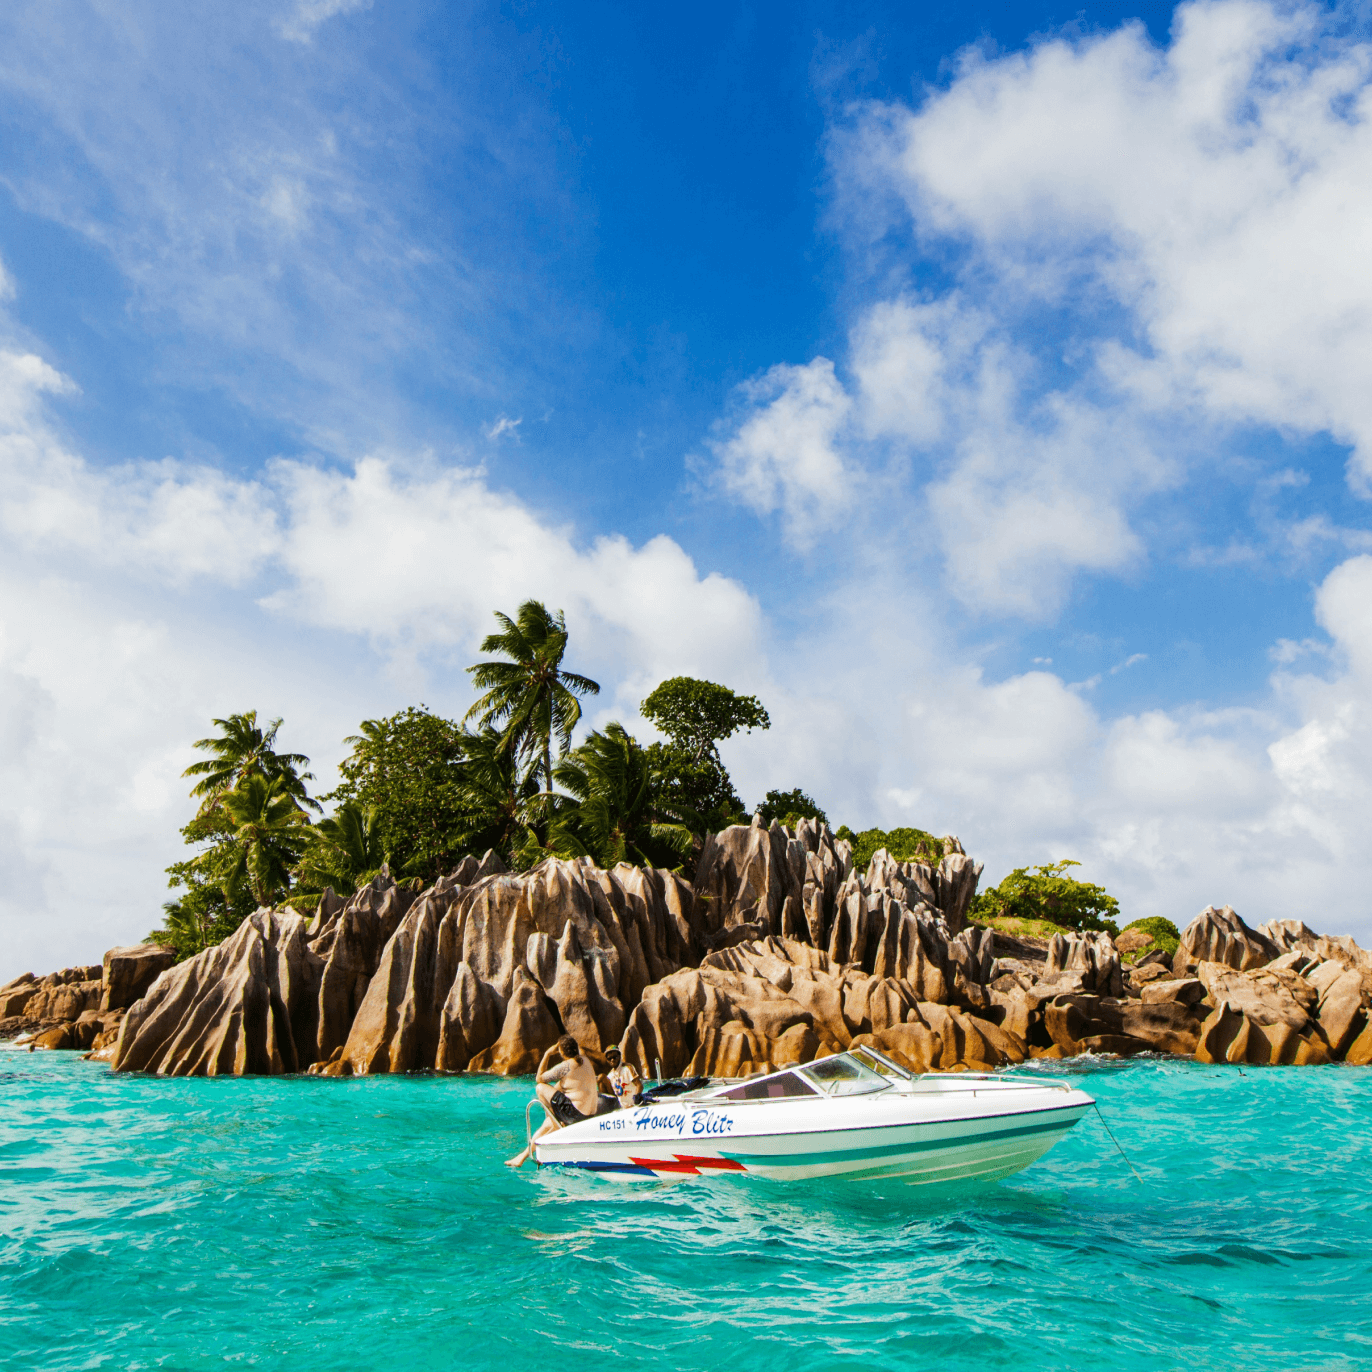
247	1006
1342	1010
1220	936
1133	941
1360	1050
1183	990
528	1032
15	995
1265	996
62	1037
127	973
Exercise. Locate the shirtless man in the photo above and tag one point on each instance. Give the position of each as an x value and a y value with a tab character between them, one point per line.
568	1092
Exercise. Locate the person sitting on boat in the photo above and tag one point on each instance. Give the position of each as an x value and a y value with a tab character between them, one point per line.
568	1091
623	1081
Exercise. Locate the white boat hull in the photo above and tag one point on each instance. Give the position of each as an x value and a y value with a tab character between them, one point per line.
940	1130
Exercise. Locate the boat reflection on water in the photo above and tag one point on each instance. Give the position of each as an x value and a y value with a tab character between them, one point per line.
855	1114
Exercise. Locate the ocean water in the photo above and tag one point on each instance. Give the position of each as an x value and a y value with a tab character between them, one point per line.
316	1223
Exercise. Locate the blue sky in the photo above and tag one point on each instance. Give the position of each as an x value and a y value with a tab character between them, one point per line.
986	389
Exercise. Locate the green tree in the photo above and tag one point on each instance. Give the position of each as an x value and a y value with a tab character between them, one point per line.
613	815
408	768
343	850
786	807
204	913
689	775
532	696
497	798
905	845
243	749
1046	893
699	715
270	832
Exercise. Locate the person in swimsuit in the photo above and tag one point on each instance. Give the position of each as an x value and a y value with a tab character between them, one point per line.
568	1091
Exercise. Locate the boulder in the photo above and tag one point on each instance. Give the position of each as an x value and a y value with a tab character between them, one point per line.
528	1032
128	972
1183	990
16	994
1231	1035
1266	996
64	1001
1092	957
247	1006
1342	1011
1220	936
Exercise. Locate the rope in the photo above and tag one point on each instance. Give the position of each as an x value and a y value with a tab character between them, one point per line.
1116	1142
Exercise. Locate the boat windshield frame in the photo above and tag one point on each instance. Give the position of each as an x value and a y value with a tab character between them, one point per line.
881	1063
862	1081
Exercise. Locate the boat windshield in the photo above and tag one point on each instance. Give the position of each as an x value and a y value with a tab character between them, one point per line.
869	1057
776	1087
844	1075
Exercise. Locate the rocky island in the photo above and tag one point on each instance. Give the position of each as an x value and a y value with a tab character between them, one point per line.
775	953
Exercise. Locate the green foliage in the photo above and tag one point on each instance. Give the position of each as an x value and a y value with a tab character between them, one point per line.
530	695
204	914
698	715
613	814
1046	893
407	769
688	773
1163	932
497	800
242	750
906	845
786	807
250	831
682	783
343	851
270	832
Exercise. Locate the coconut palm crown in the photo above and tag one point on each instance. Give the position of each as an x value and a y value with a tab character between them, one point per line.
531	695
244	749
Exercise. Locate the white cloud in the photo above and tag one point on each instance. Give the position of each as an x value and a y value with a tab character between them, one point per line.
307	15
782	455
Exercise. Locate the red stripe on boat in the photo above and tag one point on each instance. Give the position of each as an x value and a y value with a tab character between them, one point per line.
689	1165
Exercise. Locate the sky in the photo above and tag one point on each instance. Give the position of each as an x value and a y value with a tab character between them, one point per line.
986	390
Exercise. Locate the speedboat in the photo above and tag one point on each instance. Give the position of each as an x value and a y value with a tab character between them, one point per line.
855	1114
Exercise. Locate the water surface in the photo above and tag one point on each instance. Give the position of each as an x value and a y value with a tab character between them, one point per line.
312	1223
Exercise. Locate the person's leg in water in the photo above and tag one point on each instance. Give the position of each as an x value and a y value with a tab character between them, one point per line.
544	1091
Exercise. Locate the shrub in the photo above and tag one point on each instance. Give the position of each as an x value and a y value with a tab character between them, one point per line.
1046	893
1163	932
906	845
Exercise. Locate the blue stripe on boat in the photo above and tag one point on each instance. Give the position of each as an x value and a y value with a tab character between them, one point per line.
889	1150
632	1168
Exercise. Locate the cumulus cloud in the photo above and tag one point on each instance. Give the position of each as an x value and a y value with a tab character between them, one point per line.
1150	248
783	453
137	601
307	15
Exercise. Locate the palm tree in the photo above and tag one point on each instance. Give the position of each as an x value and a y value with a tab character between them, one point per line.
243	750
496	797
344	850
530	694
614	817
269	833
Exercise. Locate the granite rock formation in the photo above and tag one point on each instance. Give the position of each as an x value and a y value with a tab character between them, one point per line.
776	953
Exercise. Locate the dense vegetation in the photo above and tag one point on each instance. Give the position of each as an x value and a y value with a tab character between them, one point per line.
417	792
1165	935
1047	893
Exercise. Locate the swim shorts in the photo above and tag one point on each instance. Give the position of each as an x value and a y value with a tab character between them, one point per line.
564	1112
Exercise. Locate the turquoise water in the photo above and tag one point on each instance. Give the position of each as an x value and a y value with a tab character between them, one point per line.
368	1224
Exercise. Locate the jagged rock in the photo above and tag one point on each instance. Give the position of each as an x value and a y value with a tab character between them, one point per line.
1231	1035
528	1032
128	972
1342	1009
1091	956
1264	995
1220	936
472	1018
247	1006
350	938
61	1037
1106	1024
1360	1050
